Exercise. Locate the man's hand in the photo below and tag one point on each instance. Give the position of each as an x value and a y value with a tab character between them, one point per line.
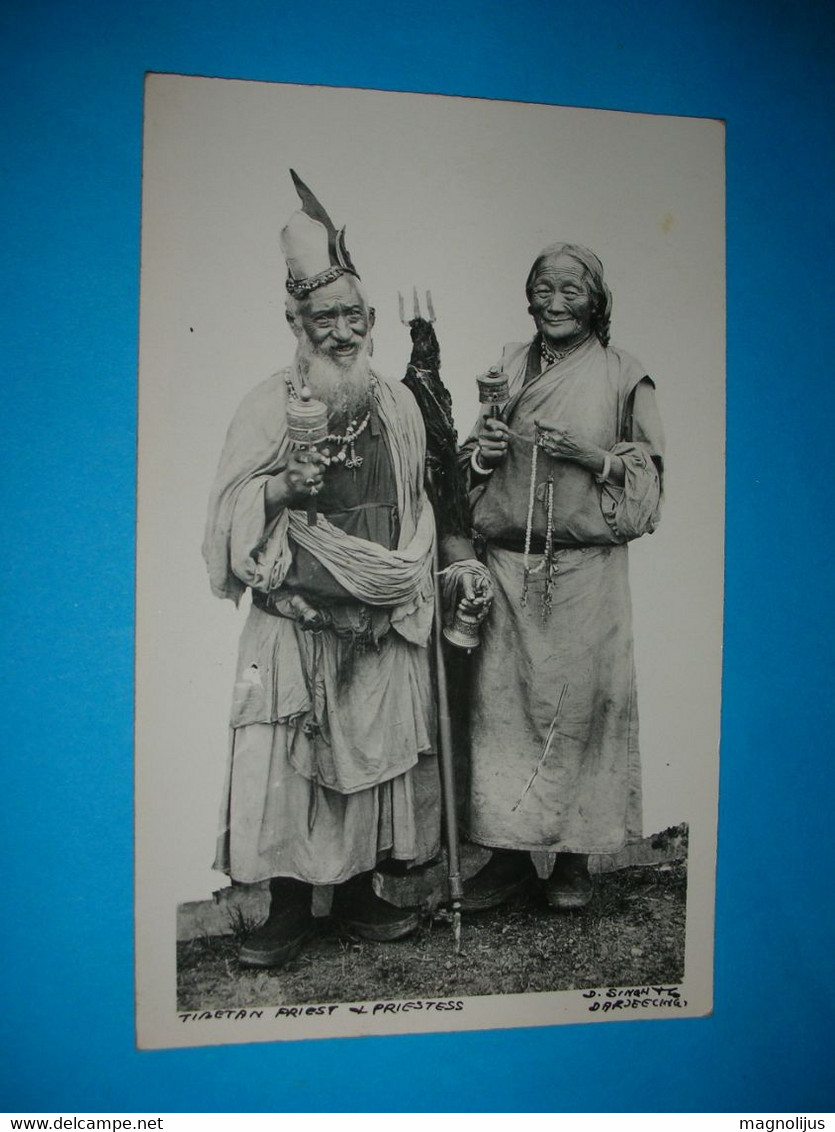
297	608
475	594
309	617
492	442
300	480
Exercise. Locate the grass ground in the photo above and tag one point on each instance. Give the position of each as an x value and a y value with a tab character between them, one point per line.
631	934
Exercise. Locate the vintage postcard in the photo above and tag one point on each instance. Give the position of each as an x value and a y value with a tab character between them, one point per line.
430	516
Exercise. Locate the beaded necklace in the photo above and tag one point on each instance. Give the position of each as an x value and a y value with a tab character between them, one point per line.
347	440
551	357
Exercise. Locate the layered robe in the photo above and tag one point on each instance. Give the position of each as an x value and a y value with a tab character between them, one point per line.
331	757
554	744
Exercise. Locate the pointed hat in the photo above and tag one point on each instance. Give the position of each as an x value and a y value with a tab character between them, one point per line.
315	251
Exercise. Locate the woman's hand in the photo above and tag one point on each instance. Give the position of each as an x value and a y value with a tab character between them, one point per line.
492	442
564	443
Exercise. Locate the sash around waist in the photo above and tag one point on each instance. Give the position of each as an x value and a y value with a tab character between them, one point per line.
517	545
340	610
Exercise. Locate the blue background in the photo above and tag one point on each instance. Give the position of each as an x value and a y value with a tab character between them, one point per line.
71	153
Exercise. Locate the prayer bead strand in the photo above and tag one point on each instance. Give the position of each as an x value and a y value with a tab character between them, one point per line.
347	440
550	564
526	569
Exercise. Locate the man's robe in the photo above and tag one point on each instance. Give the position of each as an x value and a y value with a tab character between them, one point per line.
331	762
554	742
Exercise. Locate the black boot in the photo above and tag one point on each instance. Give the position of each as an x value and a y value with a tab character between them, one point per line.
570	885
290	922
508	873
357	907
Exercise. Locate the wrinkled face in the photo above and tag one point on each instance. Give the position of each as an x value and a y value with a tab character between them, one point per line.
561	302
336	320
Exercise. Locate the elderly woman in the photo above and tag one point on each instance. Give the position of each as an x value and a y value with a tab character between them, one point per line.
559	484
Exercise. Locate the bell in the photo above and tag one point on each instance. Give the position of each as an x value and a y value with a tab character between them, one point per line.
464	630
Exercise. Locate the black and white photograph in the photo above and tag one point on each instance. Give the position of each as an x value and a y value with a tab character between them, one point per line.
429	563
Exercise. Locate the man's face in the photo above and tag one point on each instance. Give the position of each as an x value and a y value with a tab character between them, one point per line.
336	321
561	302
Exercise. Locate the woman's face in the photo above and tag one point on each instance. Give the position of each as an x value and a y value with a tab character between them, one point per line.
561	302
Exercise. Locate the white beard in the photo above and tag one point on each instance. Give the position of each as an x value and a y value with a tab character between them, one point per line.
343	388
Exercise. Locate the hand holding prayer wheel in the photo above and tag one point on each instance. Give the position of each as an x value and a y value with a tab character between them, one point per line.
493	433
492	442
301	479
297	483
304	475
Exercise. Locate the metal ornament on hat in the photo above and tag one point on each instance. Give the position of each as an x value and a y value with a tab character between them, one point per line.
314	249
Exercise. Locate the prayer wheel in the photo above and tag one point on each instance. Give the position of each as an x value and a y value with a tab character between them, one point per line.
493	390
307	427
307	421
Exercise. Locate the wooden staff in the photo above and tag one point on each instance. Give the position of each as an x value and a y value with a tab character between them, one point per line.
446	757
449	503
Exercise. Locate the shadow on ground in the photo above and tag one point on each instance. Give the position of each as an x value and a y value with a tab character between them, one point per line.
631	934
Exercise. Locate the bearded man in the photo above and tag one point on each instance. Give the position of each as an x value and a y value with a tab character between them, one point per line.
560	483
332	764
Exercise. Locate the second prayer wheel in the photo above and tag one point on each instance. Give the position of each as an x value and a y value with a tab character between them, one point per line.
493	389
